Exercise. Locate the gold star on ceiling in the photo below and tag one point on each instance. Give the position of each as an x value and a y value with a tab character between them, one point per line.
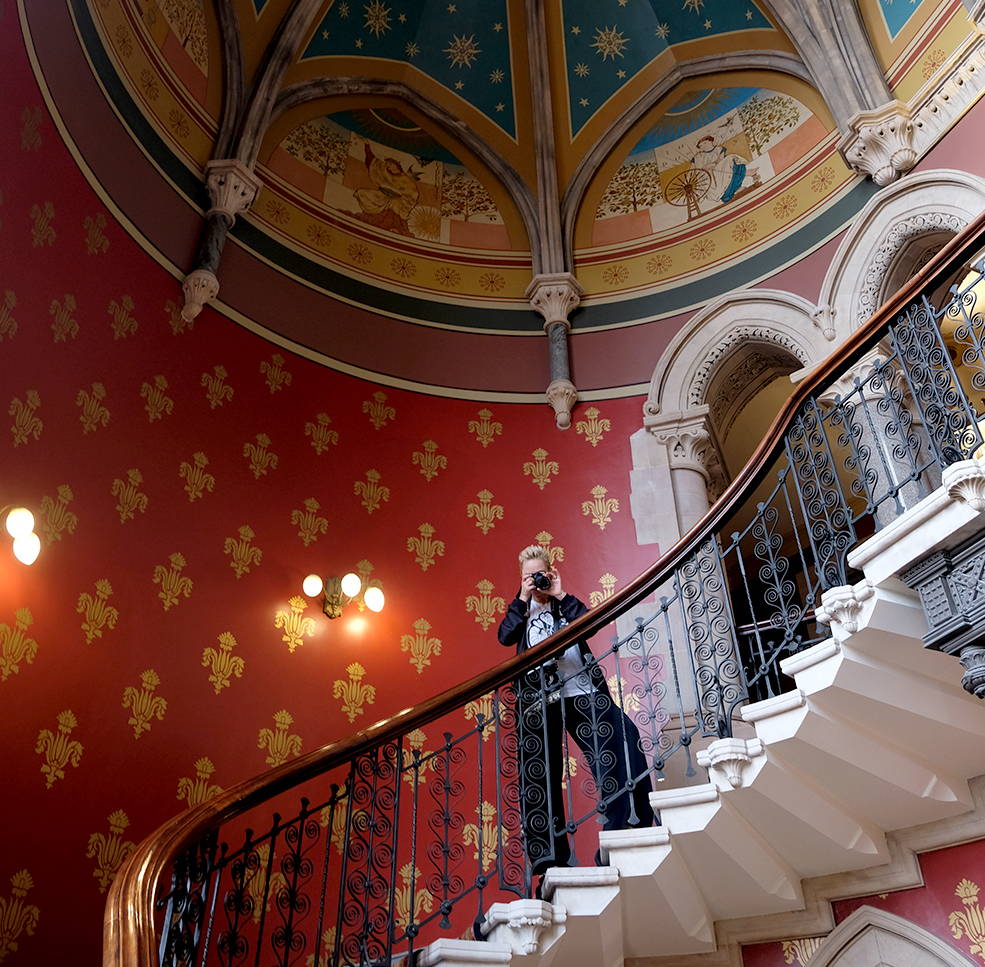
694	5
412	50
459	85
324	35
620	74
402	18
377	18
496	76
748	15
497	27
584	102
462	50
609	42
500	106
343	10
707	25
581	70
359	43
662	31
452	8
576	30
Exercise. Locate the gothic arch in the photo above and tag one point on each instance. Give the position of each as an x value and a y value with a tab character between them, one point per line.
896	228
875	938
777	325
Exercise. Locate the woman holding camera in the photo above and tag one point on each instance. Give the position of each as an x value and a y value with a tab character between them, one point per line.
567	696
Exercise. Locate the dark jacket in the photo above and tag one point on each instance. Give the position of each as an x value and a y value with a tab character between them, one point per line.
513	631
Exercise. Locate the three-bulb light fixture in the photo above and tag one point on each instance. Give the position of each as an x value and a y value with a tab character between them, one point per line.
338	592
20	526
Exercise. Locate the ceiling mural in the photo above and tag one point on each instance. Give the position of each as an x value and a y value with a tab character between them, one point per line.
464	46
897	15
408	186
605	50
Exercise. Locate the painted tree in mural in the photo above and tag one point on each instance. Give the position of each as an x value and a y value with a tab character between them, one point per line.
320	144
463	196
764	117
187	19
635	186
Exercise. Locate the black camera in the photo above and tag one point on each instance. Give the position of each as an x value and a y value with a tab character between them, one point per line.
541	581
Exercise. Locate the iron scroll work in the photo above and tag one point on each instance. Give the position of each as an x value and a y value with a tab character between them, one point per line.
415	838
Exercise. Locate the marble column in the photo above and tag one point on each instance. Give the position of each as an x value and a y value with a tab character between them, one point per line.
555	296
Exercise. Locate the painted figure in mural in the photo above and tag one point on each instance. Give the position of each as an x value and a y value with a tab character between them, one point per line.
393	196
728	171
566	697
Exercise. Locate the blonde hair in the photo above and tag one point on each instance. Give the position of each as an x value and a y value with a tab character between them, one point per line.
534	552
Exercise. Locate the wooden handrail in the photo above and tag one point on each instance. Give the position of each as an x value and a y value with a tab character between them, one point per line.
128	926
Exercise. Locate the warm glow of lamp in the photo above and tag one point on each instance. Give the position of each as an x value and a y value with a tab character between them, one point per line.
351	583
373	599
312	585
20	523
27	547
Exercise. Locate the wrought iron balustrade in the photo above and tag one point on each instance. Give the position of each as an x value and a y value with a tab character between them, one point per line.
411	829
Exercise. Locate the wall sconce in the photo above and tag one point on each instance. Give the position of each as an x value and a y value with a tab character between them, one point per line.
20	526
338	592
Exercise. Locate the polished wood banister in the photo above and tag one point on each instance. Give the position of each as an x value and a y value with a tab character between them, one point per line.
128	928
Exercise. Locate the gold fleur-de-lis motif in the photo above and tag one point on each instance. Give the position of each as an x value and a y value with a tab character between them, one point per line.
243	555
485	429
355	693
593	429
174	584
482	833
56	518
485	512
197	478
17	918
379	413
607	583
8	324
217	391
307	521
555	554
423	900
129	499
26	423
42	231
95	238
429	460
176	321
327	949
65	326
372	491
416	752
484	605
30	136
278	741
336	815
801	950
93	414
196	791
321	433
144	705
624	697
426	547
122	322
483	705
261	459
540	469
15	645
569	770
420	645
261	892
364	569
59	748
158	404
222	662
274	373
600	508
96	610
969	922
109	851
296	626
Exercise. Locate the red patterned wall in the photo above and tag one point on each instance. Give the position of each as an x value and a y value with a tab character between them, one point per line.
109	686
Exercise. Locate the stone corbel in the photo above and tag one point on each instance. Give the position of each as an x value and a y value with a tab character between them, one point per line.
965	481
232	189
727	760
879	143
525	926
841	607
824	318
555	296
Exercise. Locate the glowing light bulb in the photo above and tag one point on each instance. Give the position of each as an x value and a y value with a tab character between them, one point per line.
312	585
351	583
373	599
27	548
20	522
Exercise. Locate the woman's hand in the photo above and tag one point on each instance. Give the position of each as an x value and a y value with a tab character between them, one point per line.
555	589
527	588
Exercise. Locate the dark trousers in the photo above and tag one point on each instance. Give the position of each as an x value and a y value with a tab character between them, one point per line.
610	742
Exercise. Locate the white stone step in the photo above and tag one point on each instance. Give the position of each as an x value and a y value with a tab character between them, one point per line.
592	904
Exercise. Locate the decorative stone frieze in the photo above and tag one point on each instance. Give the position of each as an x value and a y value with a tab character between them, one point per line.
727	760
232	187
842	606
879	143
965	481
525	926
199	286
555	296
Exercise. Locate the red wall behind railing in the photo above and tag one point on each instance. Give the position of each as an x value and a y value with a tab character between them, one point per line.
60	831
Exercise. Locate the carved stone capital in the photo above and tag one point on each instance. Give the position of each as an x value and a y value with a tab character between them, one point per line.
727	760
523	925
861	371
972	661
232	187
824	318
562	396
965	481
879	143
691	444
199	286
842	606
555	296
